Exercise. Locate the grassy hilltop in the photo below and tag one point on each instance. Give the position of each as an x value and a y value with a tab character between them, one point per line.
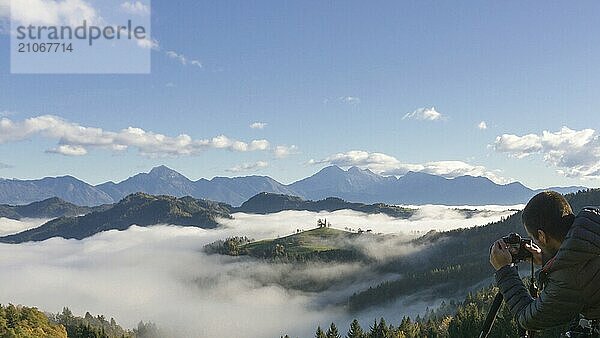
323	243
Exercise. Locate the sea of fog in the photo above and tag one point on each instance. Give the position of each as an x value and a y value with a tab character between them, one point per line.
11	226
160	274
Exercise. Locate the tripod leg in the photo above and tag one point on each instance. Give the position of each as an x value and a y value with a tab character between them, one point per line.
491	316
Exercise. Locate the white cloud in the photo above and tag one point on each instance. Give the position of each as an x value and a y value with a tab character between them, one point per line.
75	140
183	59
350	99
424	114
258	125
482	125
179	57
149	43
283	151
45	12
136	8
69	150
384	164
259	145
575	153
248	167
518	146
377	162
4	9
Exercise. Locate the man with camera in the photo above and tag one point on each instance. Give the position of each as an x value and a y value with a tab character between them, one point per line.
568	249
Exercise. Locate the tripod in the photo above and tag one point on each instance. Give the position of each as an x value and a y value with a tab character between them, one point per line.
493	312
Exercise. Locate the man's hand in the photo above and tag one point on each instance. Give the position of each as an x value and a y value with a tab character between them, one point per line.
536	252
500	255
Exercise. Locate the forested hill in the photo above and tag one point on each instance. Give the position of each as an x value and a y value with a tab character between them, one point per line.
139	209
50	208
29	322
584	198
266	203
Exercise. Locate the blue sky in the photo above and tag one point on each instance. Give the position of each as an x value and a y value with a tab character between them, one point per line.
338	80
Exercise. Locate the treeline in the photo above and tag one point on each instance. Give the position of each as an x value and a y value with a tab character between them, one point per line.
231	246
26	322
29	322
451	320
583	198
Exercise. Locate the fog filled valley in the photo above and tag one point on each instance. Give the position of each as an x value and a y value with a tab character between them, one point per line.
255	274
162	274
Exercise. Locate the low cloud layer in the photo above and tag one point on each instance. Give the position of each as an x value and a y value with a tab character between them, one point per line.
575	153
161	274
431	217
389	165
11	226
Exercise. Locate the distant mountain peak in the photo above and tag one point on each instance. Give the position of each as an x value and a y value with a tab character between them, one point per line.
331	169
50	200
356	171
164	171
369	171
473	178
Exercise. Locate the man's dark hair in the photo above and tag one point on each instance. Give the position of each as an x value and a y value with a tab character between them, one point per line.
548	211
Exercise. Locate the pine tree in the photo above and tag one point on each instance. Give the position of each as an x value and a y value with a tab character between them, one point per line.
383	330
374	330
355	330
332	332
320	333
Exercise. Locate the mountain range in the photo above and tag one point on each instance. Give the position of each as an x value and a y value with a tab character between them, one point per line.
354	184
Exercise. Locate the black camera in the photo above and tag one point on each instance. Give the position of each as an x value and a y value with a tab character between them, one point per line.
517	247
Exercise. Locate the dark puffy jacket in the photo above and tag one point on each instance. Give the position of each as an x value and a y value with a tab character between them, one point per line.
573	280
